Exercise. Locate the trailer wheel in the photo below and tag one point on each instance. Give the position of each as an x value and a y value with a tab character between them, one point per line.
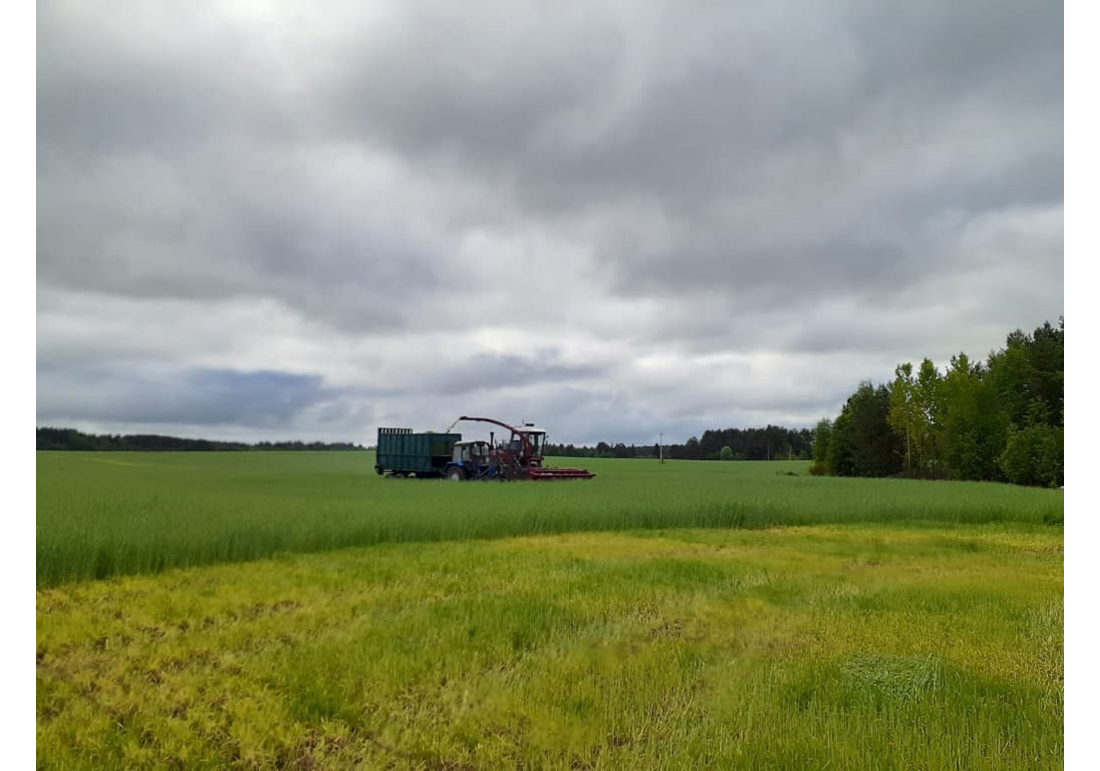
455	475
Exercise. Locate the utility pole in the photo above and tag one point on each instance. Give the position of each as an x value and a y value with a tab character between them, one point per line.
661	448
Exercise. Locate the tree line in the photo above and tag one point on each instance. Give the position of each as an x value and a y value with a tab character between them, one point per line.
71	439
998	420
769	443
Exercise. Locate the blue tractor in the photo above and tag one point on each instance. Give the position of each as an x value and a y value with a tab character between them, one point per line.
472	460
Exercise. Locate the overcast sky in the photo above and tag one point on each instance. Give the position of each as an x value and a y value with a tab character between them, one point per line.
274	220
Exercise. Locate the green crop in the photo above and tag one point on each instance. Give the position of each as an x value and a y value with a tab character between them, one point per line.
105	514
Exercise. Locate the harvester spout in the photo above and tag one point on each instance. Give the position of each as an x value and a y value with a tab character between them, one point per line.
515	431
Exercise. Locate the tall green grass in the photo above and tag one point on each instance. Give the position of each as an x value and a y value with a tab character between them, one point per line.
105	514
854	646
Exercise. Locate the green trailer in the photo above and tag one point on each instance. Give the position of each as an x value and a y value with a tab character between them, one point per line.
402	452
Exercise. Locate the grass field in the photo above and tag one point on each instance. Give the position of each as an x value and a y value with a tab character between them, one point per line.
692	615
103	514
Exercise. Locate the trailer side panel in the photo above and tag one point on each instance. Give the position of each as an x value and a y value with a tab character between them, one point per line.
400	451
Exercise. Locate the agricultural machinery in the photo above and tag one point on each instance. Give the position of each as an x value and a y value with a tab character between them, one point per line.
519	457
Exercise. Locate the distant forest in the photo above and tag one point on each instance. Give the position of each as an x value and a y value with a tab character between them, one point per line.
998	420
773	443
71	439
770	443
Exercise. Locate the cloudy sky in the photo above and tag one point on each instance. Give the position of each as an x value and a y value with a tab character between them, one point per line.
305	220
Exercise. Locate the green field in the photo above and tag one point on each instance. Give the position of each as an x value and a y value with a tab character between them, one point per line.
723	615
102	514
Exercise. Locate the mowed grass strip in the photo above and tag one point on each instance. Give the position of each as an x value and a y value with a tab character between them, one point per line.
105	514
853	646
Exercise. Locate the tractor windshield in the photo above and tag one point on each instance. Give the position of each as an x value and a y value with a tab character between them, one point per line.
536	439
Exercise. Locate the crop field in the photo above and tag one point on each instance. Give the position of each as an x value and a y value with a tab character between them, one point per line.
295	610
103	514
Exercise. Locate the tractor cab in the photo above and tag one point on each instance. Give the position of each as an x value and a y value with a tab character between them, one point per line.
531	455
536	439
471	452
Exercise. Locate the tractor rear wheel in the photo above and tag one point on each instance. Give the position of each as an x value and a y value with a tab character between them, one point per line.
456	475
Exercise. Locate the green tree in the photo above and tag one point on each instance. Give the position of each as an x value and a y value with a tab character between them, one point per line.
840	460
822	439
1027	376
1035	456
725	453
1046	355
972	423
904	415
926	393
1004	420
862	442
876	447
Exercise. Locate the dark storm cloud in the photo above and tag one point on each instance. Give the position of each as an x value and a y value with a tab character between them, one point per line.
701	100
117	78
786	149
233	222
419	201
183	168
192	397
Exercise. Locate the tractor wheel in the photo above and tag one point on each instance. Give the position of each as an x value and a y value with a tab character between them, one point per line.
456	475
